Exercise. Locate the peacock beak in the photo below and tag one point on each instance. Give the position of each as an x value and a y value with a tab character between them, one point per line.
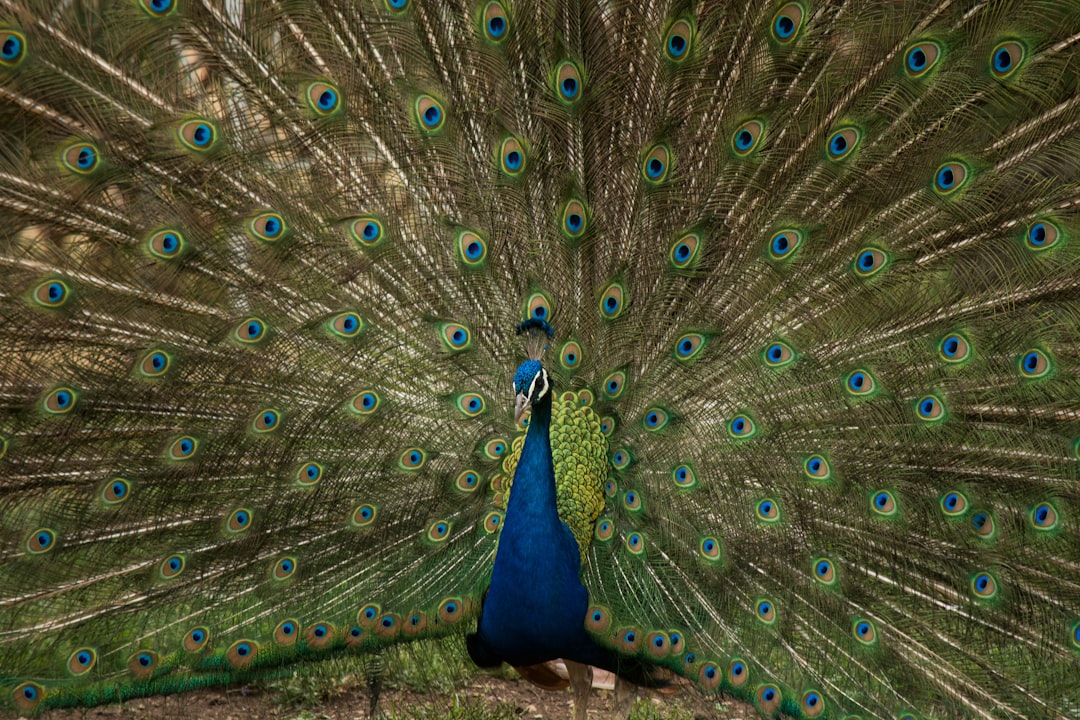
521	404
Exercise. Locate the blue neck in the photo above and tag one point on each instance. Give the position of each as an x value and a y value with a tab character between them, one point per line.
535	607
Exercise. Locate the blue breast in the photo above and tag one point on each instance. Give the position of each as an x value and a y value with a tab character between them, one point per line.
535	607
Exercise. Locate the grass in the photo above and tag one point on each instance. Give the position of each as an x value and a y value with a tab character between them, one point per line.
434	674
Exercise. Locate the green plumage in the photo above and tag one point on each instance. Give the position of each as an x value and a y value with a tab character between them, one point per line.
816	265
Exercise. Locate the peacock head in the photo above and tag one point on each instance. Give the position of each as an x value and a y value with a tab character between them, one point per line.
531	382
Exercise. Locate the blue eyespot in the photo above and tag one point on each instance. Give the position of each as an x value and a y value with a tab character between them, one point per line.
12	47
786	22
512	156
920	58
367	231
950	177
430	113
568	82
197	134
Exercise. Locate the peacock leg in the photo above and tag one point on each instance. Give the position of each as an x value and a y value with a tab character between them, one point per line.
625	694
581	677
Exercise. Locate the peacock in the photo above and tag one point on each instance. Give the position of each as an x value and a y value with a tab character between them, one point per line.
725	345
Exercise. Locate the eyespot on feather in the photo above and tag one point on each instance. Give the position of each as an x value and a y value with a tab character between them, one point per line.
954	503
241	653
741	427
429	114
495	22
787	22
921	57
367	231
765	611
27	696
81	158
598	619
346	325
778	354
60	401
568	82
250	331
1042	235
183	448
158	8
363	515
455	337
154	364
196	640
239	520
870	261
842	143
115	491
412	459
812	704
685	251
12	47
1006	59
656	165
287	632
684	477
309	474
709	676
166	244
679	40
143	664
439	531
746	137
538	306
492	522
950	177
472	248
319	635
575	220
768	699
864	631
266	420
512	157
1034	364
40	541
198	135
171	567
323	98
51	293
283	568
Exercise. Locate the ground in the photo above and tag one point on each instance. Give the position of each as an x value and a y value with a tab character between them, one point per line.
431	682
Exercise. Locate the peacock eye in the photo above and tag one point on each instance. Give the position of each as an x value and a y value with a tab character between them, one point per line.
746	137
568	82
843	142
323	98
12	47
81	158
920	58
678	41
496	24
268	226
786	23
198	135
575	219
512	158
1006	58
656	164
429	112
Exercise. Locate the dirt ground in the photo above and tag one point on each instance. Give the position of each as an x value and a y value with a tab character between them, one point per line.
525	701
